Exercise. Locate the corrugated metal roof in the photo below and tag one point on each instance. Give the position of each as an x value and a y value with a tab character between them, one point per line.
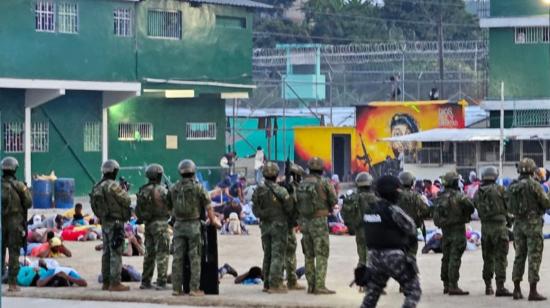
475	134
243	3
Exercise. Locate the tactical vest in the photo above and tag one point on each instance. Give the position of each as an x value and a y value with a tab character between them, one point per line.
408	204
149	209
381	231
522	201
11	202
311	197
447	210
490	204
104	204
268	206
186	198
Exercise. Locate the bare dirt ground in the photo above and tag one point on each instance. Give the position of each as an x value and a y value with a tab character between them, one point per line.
242	252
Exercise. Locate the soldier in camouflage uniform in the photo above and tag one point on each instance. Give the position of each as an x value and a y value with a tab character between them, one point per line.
389	232
491	208
152	209
315	200
527	201
16	200
297	173
111	204
353	210
273	205
452	210
188	201
411	202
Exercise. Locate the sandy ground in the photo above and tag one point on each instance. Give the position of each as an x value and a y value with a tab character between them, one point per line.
242	252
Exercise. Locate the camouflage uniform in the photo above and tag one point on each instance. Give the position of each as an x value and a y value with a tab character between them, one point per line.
314	209
352	213
292	244
16	199
187	200
153	210
452	210
112	224
272	205
412	204
491	208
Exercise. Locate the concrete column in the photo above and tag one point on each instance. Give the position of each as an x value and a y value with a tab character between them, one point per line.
27	146
105	134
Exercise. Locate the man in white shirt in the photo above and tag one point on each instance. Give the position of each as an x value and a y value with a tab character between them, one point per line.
258	164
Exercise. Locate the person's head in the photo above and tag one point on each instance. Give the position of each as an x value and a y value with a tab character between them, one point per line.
110	169
78	208
315	165
526	167
270	171
407	179
364	180
50	235
451	179
540	174
437	183
55	244
427	183
402	124
9	166
58	221
154	173
489	174
187	168
259	148
388	188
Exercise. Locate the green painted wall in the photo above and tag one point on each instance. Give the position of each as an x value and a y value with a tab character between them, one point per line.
524	68
500	8
169	117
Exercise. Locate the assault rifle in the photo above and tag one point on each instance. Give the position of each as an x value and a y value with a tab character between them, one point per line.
366	158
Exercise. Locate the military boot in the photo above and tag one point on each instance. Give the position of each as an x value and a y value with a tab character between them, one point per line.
501	290
489	287
105	287
517	291
13	288
294	285
323	291
145	285
277	290
310	289
455	290
445	288
533	294
119	287
196	293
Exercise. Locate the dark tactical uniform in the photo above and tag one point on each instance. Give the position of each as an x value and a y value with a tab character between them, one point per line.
111	204
272	205
16	200
388	232
152	209
316	197
491	208
527	202
412	204
452	210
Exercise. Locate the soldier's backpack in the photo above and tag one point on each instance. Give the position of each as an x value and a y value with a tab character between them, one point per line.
10	198
97	201
144	203
485	205
350	210
519	199
308	197
185	201
260	208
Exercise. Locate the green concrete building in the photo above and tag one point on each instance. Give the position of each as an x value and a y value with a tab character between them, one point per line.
137	81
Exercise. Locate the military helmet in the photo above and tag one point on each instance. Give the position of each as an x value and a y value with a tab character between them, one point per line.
450	177
153	171
489	174
315	164
109	166
407	179
270	170
187	166
363	179
527	166
302	171
296	169
10	163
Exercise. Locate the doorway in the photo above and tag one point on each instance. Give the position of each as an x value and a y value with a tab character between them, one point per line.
341	155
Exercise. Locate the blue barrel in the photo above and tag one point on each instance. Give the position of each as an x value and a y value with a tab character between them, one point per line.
64	193
42	194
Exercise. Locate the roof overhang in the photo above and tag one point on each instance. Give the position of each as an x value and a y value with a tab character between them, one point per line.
241	3
16	83
525	104
511	22
473	135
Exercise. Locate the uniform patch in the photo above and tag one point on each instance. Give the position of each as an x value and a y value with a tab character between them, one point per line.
372	218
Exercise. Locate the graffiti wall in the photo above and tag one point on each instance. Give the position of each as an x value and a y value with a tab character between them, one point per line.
379	120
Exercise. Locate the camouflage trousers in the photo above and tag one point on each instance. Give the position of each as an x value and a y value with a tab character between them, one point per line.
315	244
290	257
12	241
453	246
397	264
494	249
111	260
274	239
157	250
361	244
187	242
528	242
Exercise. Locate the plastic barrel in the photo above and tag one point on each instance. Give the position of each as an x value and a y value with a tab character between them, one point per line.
64	193
42	194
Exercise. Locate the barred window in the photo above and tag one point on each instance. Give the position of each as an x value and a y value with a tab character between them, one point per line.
466	154
40	137
123	21
430	153
44	16
201	131
13	137
533	149
490	151
531	35
67	15
164	24
135	131
92	137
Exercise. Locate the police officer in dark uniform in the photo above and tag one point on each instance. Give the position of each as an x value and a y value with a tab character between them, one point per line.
389	232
